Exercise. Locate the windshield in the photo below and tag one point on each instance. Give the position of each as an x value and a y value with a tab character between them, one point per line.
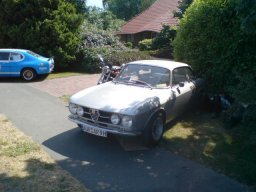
144	75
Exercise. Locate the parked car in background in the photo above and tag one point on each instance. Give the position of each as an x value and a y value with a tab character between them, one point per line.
24	63
143	97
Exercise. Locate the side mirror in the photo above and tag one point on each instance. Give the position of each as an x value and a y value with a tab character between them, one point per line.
190	78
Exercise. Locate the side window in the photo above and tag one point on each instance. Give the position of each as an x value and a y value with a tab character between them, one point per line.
16	57
179	75
189	73
4	56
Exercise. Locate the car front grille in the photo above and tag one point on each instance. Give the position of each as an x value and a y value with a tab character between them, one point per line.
103	118
102	121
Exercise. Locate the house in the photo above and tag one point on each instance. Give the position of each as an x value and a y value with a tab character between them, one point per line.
147	24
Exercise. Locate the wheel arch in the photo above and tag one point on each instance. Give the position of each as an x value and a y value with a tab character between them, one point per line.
31	69
28	67
159	110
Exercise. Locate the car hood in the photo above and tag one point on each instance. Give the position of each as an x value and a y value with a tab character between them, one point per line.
120	98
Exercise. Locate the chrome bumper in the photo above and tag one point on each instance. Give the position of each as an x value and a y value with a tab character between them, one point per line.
113	131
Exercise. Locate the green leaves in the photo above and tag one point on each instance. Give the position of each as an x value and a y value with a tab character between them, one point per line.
49	27
218	38
126	9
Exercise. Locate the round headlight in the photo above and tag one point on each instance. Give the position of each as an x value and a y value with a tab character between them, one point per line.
72	108
80	111
127	121
115	119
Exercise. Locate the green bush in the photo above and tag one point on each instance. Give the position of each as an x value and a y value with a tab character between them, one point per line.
95	41
47	27
164	39
129	45
217	37
161	53
122	57
161	45
145	44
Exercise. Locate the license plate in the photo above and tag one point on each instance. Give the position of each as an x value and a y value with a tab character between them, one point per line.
94	131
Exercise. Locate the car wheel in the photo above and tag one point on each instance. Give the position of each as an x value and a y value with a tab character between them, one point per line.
153	133
28	74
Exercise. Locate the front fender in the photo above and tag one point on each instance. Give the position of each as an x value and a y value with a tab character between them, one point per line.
147	105
146	110
158	110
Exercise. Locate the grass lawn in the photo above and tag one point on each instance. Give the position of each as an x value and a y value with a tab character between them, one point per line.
26	167
205	140
55	75
65	98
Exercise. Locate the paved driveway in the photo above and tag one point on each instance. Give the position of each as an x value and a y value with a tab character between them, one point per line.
66	86
101	164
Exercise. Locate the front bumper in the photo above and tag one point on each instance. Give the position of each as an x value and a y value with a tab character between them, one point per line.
112	130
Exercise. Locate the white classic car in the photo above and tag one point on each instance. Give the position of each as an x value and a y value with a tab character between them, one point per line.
143	97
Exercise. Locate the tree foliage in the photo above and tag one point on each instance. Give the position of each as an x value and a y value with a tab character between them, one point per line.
161	45
103	19
96	41
164	38
183	5
126	9
49	27
218	38
80	5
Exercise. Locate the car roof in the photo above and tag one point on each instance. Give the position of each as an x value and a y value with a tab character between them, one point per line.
161	63
17	50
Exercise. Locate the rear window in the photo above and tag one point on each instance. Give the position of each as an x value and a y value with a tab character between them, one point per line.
4	56
34	54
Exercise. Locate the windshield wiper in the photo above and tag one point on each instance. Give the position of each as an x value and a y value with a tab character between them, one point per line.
141	82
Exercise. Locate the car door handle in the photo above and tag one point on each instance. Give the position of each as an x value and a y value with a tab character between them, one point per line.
178	90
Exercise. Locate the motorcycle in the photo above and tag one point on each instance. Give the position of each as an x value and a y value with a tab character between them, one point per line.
108	71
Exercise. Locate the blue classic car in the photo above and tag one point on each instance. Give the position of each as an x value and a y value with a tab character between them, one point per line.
24	63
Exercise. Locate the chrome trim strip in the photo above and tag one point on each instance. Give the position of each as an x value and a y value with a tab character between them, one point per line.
117	132
6	73
89	119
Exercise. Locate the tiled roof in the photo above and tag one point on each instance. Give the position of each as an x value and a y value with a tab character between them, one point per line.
152	19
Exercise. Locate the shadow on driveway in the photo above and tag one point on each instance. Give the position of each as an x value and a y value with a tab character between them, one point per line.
103	165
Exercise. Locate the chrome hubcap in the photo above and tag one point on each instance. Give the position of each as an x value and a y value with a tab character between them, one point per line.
158	128
28	74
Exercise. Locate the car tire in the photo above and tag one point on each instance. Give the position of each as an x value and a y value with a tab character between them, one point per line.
153	133
28	74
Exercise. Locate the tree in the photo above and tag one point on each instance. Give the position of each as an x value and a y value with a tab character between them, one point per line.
183	5
218	38
103	19
126	9
49	27
164	38
80	5
96	41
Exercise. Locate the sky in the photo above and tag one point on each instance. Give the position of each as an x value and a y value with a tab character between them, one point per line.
97	3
